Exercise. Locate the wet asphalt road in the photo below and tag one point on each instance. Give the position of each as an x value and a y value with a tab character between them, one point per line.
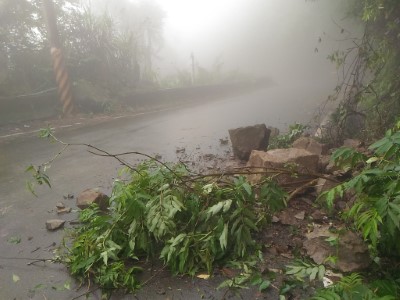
197	128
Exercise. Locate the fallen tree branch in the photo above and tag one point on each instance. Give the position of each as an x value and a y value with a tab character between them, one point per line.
301	188
283	170
33	260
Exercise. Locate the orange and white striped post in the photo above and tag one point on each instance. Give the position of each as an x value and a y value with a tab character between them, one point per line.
63	83
60	70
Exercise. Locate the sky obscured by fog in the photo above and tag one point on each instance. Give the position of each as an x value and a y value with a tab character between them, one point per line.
276	38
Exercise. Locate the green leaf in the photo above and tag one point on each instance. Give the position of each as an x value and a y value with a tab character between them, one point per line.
14	240
321	272
104	255
67	285
223	239
264	285
31	188
46	132
247	188
372	160
15	278
314	273
39	286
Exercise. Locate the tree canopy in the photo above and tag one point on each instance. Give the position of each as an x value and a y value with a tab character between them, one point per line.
370	89
104	56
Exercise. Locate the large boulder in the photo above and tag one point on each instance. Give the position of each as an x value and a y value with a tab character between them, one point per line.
90	196
246	139
300	160
311	145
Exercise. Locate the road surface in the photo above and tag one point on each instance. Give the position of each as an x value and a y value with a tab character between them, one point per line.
197	128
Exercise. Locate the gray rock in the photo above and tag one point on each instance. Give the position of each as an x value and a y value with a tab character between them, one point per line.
275	219
60	205
287	216
319	216
246	139
90	196
351	252
352	143
311	145
324	161
54	224
300	215
64	210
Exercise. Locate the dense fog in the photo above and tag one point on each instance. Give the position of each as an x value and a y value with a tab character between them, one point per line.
276	38
288	41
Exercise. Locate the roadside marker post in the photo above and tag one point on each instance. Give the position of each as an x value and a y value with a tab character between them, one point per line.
60	70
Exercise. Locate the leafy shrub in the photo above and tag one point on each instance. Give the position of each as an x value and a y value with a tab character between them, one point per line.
191	223
353	287
286	140
376	211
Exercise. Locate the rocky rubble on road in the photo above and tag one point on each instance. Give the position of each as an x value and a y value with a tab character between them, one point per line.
303	228
307	161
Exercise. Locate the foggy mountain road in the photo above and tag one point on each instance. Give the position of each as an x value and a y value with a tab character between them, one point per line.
200	126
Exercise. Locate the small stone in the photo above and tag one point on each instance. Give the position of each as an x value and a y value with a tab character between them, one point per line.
272	250
286	217
209	157
300	215
180	150
64	210
60	205
341	205
223	141
323	163
275	219
54	224
318	215
287	255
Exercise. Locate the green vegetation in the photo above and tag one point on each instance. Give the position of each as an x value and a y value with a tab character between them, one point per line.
353	287
195	223
106	58
376	210
370	91
286	140
192	223
109	51
369	106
